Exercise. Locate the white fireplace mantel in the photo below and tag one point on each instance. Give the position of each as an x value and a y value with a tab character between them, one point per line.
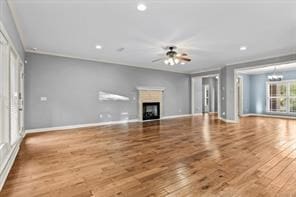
150	88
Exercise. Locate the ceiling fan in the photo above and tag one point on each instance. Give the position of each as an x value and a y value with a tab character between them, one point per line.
172	57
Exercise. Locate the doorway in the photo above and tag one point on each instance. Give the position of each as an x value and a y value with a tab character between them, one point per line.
205	97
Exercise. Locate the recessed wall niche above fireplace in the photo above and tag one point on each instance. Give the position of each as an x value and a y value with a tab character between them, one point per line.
150	102
151	111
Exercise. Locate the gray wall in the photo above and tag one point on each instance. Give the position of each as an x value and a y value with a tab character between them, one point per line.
255	85
72	88
223	92
9	24
246	94
258	94
198	104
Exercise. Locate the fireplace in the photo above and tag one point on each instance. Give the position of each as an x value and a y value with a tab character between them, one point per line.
150	101
151	110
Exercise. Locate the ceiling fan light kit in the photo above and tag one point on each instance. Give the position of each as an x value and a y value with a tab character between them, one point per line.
173	58
171	61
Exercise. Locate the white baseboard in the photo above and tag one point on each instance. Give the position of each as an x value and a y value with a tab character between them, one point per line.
79	126
245	115
269	115
38	130
8	163
178	116
228	121
197	114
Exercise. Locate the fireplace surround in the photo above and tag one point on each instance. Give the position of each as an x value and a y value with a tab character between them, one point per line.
150	101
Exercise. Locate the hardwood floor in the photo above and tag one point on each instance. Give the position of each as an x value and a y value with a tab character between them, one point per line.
192	156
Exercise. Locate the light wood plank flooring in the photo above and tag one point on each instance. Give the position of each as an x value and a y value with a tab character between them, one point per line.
191	156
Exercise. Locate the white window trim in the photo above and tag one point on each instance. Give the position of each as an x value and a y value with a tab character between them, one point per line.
288	96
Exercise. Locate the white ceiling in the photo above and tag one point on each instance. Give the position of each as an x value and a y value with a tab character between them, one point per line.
211	32
270	69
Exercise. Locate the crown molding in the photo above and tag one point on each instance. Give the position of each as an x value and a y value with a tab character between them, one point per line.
207	70
97	60
250	61
261	59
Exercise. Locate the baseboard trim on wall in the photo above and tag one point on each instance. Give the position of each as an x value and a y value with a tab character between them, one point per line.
8	163
197	114
179	116
228	121
245	115
38	130
269	116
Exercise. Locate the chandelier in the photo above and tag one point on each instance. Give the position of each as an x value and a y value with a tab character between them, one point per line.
275	76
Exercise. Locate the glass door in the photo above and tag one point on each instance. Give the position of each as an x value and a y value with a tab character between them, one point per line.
14	98
4	98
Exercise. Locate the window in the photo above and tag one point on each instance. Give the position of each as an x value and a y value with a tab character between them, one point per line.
281	97
292	98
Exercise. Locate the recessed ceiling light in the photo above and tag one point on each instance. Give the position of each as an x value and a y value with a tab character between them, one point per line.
141	7
243	48
98	47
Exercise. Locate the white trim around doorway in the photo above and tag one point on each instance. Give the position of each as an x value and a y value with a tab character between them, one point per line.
218	92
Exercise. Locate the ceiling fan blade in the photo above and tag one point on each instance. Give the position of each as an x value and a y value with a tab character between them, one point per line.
182	55
183	58
157	60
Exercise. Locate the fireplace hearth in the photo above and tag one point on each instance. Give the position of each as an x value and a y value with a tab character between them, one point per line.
151	111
